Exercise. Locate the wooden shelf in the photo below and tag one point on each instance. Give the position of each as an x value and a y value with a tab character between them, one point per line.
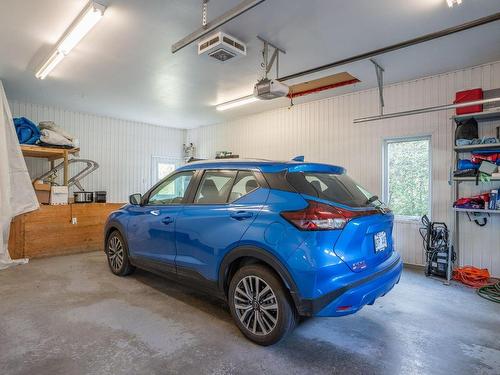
49	153
482	116
482	147
476	210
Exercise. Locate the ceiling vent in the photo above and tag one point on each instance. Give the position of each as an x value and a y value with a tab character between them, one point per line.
222	47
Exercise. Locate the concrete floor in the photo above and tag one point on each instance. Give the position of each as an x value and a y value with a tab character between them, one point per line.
70	315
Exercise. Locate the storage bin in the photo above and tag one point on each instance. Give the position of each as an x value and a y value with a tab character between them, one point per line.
42	192
58	195
469	96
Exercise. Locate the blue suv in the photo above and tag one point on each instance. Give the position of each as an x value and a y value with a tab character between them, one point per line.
276	240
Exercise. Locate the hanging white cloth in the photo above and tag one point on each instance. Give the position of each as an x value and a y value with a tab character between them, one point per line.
17	195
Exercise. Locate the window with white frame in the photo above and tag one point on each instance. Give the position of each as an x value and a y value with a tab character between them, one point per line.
407	176
161	167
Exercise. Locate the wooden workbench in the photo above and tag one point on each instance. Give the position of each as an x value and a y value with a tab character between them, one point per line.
49	231
51	154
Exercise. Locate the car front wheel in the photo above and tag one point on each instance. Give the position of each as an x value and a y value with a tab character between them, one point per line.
260	305
117	254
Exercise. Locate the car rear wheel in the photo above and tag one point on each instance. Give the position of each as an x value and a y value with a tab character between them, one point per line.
117	253
260	305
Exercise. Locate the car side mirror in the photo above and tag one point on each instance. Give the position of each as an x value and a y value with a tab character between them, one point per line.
135	199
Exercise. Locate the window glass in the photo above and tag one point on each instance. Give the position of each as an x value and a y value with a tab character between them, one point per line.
162	166
164	169
245	183
172	190
215	187
338	188
407	177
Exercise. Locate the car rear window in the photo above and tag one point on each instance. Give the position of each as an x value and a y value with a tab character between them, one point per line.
338	188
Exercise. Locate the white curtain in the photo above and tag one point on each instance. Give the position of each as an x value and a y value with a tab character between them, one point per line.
17	195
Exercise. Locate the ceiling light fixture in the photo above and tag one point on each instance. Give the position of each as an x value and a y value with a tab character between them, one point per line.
85	21
452	3
236	103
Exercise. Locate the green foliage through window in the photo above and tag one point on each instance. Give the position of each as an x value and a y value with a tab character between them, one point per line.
408	177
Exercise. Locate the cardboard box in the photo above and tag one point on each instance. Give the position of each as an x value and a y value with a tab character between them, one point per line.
59	195
42	192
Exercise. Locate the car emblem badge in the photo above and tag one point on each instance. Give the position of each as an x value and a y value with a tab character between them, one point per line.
359	265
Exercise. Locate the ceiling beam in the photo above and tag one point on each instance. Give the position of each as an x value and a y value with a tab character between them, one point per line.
239	9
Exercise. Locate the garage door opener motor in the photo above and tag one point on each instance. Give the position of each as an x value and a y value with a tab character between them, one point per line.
438	252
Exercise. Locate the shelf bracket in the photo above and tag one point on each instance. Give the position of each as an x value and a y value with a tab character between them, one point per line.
379	71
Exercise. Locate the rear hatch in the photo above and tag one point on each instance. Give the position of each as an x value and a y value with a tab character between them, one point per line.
366	228
365	242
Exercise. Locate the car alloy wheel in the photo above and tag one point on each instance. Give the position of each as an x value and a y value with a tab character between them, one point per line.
115	253
256	305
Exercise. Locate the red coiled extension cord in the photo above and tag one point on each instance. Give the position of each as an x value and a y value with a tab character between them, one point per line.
473	277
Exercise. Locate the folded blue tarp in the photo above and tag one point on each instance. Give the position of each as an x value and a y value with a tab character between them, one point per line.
27	132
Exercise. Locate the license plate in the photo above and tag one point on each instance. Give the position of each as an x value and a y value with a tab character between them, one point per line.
380	241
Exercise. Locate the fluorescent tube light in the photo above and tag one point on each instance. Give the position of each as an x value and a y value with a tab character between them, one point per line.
50	64
451	3
80	27
236	103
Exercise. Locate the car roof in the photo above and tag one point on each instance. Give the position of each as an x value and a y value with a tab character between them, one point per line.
266	166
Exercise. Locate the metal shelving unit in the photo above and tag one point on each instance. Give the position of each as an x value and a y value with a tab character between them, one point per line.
483	147
463	179
480	117
476	210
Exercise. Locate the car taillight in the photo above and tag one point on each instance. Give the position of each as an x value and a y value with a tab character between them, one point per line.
320	216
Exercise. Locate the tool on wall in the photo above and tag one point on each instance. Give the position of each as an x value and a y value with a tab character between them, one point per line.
51	175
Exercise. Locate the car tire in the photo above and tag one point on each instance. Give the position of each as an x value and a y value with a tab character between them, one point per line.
260	305
117	254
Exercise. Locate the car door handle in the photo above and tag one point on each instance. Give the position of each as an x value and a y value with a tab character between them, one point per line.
241	215
167	220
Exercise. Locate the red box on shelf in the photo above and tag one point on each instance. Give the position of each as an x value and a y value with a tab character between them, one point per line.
469	96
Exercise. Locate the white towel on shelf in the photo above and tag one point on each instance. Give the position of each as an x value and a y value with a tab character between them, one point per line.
53	138
50	125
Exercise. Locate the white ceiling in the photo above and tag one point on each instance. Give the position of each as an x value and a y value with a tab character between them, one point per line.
124	67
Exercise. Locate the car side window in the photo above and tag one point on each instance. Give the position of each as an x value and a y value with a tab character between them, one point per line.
172	190
215	187
245	183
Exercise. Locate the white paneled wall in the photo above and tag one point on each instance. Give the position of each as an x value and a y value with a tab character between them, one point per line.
323	131
123	149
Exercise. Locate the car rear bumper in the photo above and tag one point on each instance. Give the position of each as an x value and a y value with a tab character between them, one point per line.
353	296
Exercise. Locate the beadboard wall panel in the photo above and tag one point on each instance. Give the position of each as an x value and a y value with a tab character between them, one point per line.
123	149
323	131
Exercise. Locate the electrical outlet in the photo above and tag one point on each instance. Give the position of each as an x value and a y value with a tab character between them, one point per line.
74	220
